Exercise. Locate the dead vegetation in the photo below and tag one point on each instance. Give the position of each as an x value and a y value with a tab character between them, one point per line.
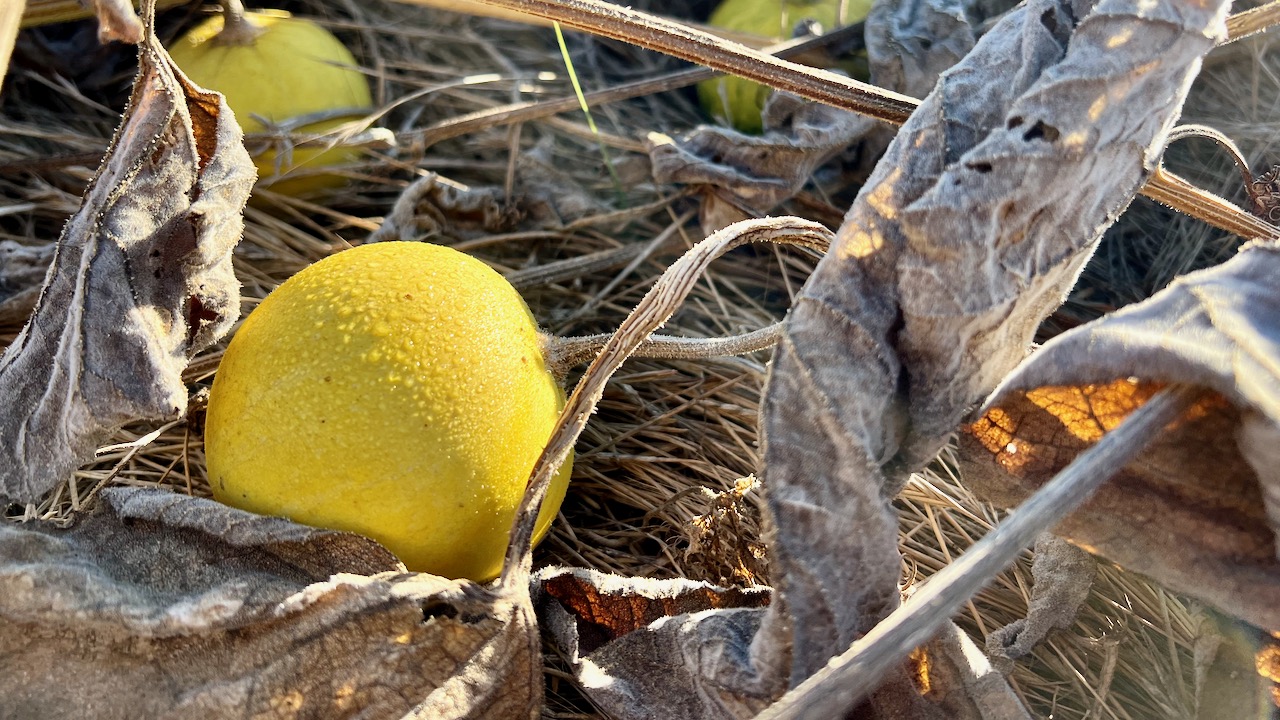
584	231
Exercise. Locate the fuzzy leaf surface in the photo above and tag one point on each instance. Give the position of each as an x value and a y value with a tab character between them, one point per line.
141	280
1200	510
159	605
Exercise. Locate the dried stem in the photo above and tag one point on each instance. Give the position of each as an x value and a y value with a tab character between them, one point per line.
1250	22
678	40
1174	191
564	353
1183	132
117	21
650	313
664	36
852	675
849	38
236	28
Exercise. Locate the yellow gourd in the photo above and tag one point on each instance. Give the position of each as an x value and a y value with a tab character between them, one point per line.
292	68
396	390
738	102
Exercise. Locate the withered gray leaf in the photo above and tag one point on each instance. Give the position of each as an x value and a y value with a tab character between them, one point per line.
655	649
909	43
1063	576
164	606
434	205
22	269
967	235
1198	511
969	232
962	685
140	281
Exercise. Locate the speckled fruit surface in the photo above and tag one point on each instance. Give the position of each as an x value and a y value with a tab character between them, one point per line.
294	68
396	390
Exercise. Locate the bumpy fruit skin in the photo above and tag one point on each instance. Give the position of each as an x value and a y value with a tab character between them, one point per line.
293	68
395	390
739	102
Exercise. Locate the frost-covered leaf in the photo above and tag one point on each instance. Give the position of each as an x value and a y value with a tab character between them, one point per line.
1200	510
648	649
1063	576
970	231
656	649
140	281
164	606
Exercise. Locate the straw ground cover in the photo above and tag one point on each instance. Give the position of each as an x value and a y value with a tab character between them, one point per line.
656	490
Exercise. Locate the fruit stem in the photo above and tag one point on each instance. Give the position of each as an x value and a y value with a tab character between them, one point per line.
236	28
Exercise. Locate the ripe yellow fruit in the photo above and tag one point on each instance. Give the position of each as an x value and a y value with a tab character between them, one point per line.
739	102
292	69
396	390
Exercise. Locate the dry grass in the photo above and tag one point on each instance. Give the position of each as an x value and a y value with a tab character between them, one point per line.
670	438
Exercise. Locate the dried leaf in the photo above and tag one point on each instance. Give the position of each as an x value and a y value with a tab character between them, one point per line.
967	235
962	684
655	649
909	44
1264	191
141	280
434	205
723	547
649	649
22	268
1063	575
1240	678
1198	510
755	173
165	606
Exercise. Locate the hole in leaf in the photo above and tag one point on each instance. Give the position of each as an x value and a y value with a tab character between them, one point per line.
1049	21
1040	131
431	611
981	167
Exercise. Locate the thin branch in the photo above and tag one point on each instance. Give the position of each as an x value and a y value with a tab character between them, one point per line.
852	675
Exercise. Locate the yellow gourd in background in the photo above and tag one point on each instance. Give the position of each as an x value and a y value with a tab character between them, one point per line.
738	102
396	390
292	68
